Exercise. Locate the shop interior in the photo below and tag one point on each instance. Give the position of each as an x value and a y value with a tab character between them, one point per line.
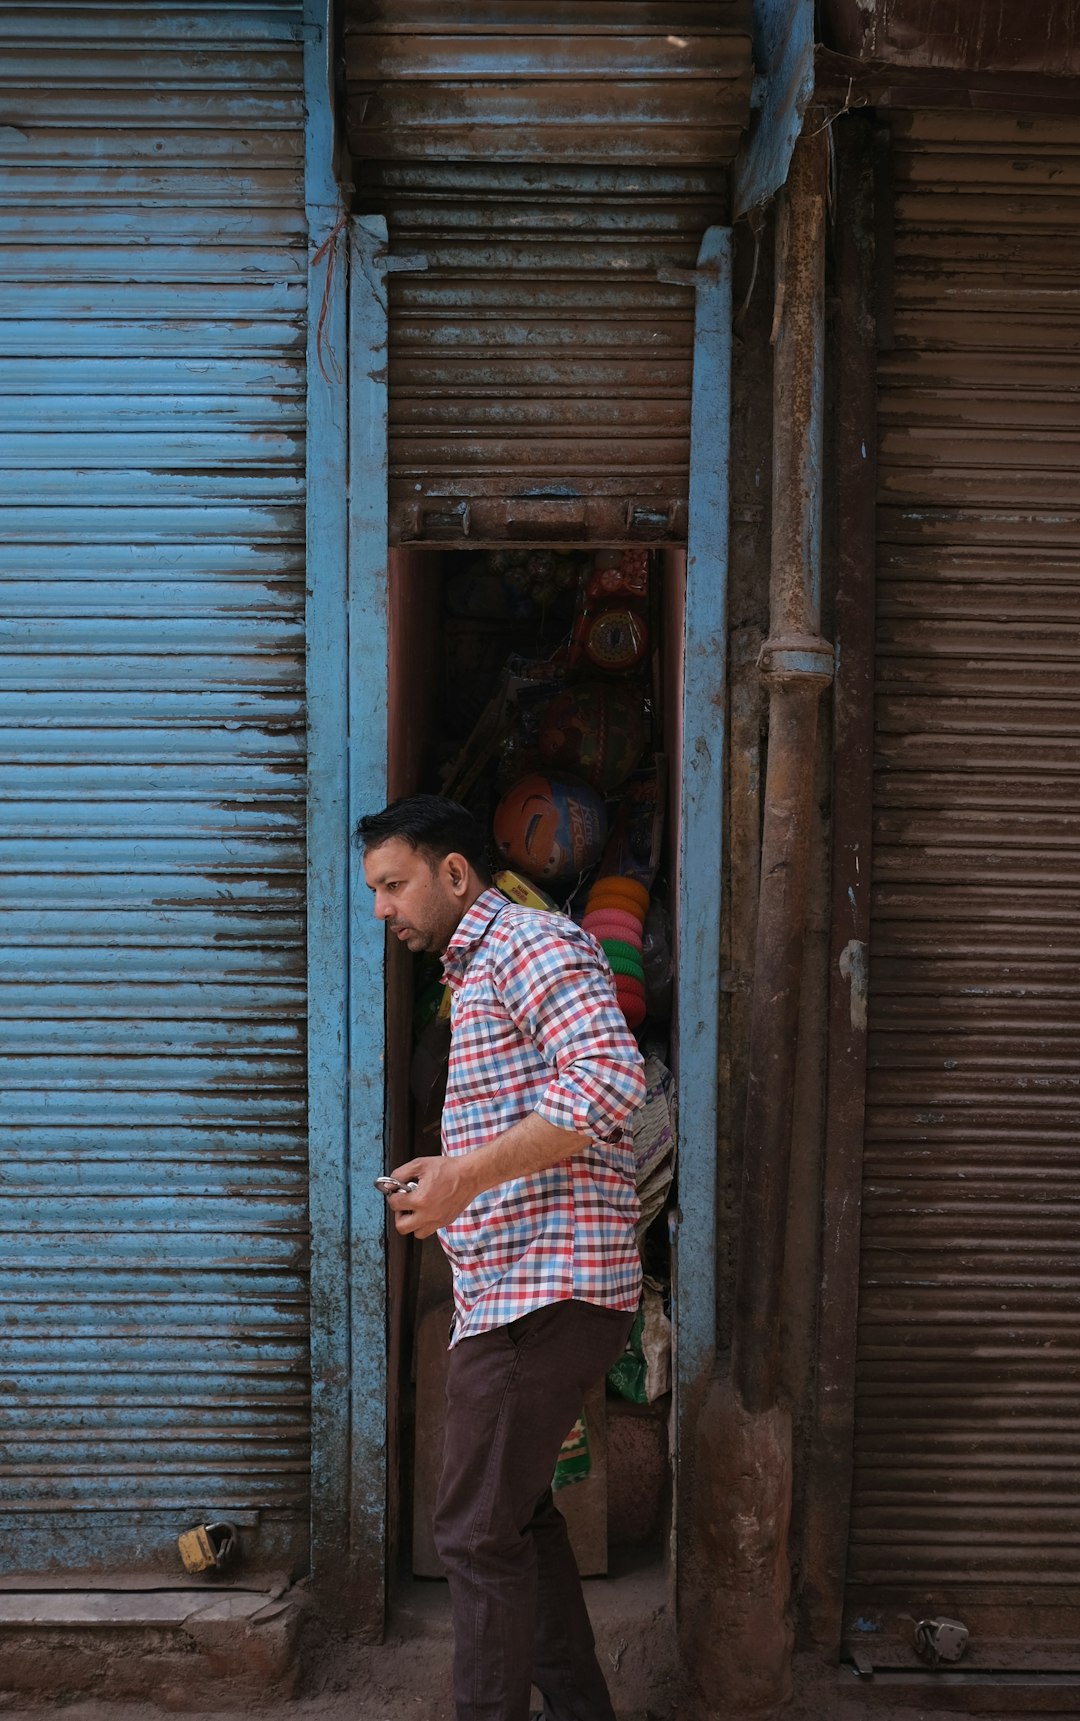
541	687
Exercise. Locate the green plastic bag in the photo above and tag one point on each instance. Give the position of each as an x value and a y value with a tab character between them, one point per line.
627	1376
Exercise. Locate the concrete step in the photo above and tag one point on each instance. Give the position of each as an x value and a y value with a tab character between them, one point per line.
184	1649
141	1655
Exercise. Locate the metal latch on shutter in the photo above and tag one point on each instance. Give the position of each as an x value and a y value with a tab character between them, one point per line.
452	520
652	520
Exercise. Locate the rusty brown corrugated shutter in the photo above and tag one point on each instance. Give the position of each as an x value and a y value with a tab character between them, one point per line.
539	369
967	1480
545	161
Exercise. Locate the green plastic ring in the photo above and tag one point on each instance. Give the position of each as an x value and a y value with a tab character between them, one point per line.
619	947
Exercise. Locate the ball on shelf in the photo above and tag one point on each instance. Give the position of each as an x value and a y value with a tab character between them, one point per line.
596	732
550	826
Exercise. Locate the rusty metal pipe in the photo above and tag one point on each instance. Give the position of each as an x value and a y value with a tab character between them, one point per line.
797	665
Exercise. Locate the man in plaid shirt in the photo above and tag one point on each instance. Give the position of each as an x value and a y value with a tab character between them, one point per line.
534	1202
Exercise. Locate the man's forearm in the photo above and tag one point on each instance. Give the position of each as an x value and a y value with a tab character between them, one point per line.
528	1146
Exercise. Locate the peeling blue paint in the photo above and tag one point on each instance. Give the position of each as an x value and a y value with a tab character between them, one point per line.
367	637
327	835
784	55
701	810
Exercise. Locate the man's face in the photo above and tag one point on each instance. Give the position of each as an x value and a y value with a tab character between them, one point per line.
415	896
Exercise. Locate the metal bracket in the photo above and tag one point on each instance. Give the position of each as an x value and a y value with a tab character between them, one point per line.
650	520
434	517
707	273
784	50
797	657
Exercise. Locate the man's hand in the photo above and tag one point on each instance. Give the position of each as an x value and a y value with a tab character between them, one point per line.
447	1185
444	1189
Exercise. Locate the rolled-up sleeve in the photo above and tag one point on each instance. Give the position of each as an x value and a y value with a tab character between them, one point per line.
558	989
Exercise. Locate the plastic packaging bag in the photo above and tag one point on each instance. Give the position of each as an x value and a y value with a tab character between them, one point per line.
574	1462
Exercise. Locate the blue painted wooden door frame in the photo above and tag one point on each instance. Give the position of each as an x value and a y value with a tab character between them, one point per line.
347	681
348	745
368	744
346	687
701	835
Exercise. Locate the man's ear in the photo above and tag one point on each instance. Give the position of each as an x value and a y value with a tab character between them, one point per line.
456	869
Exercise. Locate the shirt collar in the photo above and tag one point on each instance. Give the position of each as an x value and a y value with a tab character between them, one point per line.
472	927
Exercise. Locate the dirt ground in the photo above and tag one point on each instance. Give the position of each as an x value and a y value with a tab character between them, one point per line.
408	1679
367	1704
364	1686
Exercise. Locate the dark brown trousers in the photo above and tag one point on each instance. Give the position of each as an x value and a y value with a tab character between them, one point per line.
512	1397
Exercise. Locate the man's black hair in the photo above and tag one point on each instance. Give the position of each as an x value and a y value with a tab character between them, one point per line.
431	824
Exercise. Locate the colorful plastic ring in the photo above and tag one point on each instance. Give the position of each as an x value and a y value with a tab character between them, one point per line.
632	969
613	923
601	901
603	896
631	1000
634	1011
631	980
617	884
617	906
622	947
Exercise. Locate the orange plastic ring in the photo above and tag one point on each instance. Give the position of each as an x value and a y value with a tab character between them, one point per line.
616	891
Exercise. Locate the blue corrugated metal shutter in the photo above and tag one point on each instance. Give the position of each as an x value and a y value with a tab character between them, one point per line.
153	1227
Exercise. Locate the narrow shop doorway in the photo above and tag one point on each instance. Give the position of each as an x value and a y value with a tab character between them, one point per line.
397	603
538	685
547	309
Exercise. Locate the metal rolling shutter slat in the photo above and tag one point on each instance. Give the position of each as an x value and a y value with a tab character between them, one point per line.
967	1484
541	354
153	1231
548	162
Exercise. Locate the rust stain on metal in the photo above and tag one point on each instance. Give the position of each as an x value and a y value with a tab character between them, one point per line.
794	660
536	82
965	35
